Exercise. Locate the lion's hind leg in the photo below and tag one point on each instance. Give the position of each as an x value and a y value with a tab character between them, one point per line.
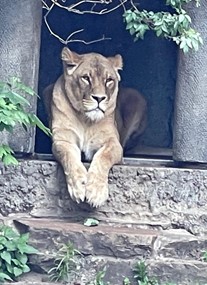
131	117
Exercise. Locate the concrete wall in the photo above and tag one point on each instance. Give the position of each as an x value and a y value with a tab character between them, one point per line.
20	27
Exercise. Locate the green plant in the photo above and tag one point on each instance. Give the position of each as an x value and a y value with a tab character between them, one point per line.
14	252
99	278
204	257
173	26
13	111
141	275
65	263
126	281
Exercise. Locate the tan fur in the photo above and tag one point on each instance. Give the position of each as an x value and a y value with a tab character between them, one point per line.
81	107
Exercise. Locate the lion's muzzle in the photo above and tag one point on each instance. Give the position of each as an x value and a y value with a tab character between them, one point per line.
95	106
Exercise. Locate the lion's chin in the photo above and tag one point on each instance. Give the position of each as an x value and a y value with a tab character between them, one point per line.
95	115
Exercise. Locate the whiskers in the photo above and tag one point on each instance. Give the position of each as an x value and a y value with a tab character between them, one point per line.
94	110
92	105
95	115
89	105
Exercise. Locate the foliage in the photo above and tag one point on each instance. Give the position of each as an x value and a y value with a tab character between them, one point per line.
65	263
204	257
99	278
141	275
13	112
126	281
14	252
173	26
91	222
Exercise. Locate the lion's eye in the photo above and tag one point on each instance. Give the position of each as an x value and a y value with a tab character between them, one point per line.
109	81
86	79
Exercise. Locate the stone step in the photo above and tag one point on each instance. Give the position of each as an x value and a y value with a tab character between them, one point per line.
171	255
158	197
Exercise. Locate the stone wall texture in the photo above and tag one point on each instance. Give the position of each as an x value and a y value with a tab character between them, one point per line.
156	214
155	197
190	128
20	28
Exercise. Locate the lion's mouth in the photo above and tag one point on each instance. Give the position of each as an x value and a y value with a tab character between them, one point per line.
96	109
95	114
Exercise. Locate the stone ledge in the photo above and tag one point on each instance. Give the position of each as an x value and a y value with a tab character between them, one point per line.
138	194
117	241
151	197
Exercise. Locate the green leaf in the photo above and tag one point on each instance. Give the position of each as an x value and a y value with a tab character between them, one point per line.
28	249
15	98
9	232
36	121
158	33
181	18
7	149
21	258
27	90
4	276
25	268
129	25
2	239
24	238
126	281
91	222
17	271
10	245
9	159
5	255
195	44
9	268
16	261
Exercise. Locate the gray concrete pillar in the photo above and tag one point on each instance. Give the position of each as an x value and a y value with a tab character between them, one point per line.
20	28
190	121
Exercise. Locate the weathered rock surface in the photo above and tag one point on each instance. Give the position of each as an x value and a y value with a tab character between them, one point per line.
154	197
171	255
157	214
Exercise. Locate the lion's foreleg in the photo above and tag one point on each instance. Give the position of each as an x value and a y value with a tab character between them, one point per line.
97	181
69	155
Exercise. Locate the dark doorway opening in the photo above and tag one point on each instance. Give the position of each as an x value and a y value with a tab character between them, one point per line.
149	67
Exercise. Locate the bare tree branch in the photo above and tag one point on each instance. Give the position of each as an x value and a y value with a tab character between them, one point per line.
75	8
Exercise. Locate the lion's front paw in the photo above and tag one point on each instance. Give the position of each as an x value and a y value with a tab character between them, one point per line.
96	190
76	183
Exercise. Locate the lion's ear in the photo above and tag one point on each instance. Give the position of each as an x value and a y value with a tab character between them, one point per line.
117	63
70	60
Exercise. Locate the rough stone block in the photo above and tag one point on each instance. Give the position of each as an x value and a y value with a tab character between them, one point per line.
170	255
150	197
116	241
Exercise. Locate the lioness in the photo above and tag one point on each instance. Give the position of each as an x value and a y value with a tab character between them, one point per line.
81	107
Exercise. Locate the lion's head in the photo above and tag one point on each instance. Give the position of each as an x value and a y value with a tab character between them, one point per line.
91	82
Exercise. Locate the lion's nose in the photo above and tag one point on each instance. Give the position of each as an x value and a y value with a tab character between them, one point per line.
98	98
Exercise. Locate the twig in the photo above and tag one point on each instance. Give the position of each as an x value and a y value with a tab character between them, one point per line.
74	8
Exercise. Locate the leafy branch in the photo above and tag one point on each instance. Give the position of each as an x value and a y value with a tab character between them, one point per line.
13	111
175	26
